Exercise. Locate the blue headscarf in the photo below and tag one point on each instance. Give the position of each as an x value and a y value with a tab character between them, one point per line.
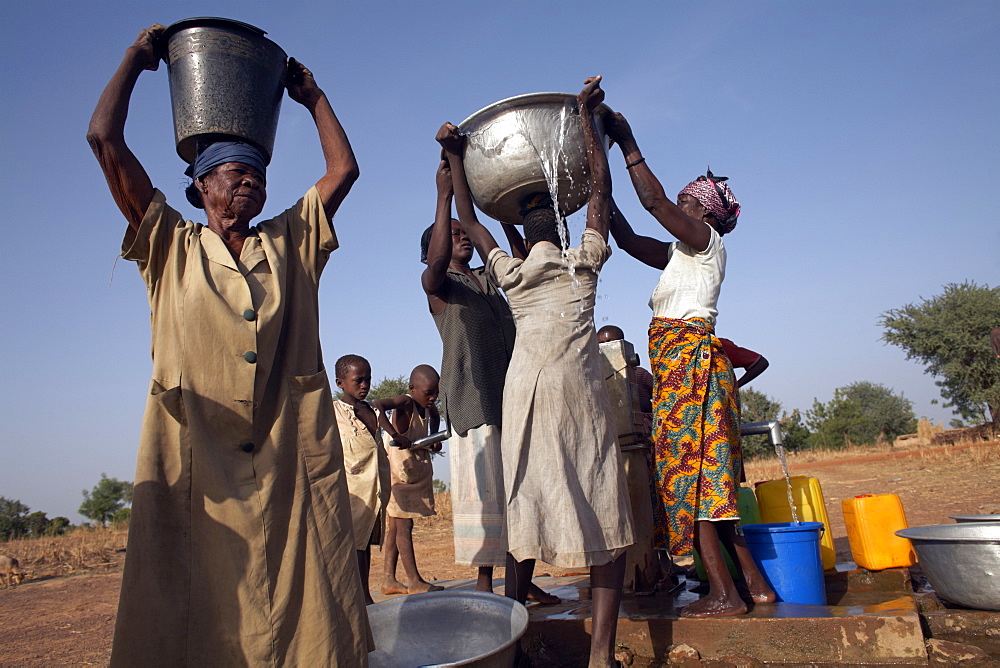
219	153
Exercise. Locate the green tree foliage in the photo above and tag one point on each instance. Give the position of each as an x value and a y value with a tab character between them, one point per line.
121	518
389	387
57	526
37	523
108	497
949	335
440	486
859	413
794	431
755	406
13	519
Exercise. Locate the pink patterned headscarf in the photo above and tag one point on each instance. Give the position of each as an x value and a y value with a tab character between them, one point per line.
715	195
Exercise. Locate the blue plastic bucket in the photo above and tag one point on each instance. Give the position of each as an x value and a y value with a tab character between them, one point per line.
788	556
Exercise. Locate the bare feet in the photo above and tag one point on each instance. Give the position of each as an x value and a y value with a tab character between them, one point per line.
536	594
420	587
760	591
393	586
715	606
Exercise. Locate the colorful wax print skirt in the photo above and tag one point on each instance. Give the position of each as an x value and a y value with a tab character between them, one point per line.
696	431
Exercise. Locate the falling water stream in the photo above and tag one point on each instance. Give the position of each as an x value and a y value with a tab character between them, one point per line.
779	450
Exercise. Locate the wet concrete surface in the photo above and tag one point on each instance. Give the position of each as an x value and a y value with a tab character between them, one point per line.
874	621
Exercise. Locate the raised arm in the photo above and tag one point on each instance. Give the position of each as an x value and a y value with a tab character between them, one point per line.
341	165
599	205
683	227
439	249
647	250
517	247
129	183
481	237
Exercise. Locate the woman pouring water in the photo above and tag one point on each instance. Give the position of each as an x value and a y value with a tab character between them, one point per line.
240	549
696	428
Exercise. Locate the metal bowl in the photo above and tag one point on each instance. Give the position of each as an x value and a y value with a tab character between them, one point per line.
513	144
446	628
961	561
975	518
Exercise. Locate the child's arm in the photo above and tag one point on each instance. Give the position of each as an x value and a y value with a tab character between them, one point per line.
452	143
517	247
439	249
435	424
400	407
598	207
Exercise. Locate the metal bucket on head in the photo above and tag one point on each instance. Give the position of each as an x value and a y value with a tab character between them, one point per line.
512	145
226	82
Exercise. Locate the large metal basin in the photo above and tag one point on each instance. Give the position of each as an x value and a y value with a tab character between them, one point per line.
961	561
512	144
975	518
226	82
446	628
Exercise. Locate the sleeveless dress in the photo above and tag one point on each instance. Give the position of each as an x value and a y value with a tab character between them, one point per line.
412	473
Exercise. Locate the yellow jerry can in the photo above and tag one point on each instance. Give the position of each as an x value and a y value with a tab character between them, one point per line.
872	521
772	499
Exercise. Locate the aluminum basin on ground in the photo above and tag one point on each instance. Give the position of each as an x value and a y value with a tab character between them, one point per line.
446	628
975	518
961	561
512	144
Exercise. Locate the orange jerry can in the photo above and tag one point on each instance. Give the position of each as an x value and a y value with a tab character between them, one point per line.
872	521
772	498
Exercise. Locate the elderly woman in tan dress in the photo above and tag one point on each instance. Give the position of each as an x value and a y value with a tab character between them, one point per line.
567	501
240	549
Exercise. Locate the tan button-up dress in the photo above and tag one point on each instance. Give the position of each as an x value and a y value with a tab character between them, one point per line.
566	492
240	549
368	482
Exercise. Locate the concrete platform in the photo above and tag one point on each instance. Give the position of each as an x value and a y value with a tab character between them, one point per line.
875	621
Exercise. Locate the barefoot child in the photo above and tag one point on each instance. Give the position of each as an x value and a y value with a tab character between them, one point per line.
365	460
413	416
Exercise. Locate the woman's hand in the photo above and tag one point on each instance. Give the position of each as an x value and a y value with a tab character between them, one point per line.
301	84
591	95
618	129
147	47
450	139
445	186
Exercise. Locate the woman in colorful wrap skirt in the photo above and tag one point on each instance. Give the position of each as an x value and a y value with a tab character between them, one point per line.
696	413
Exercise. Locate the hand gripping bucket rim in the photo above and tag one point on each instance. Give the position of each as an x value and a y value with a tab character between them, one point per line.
788	555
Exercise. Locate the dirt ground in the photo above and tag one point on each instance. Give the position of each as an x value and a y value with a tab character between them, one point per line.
53	619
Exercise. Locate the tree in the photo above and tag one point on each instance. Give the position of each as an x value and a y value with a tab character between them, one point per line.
755	406
794	432
861	412
37	523
389	387
108	496
57	526
440	486
950	335
13	519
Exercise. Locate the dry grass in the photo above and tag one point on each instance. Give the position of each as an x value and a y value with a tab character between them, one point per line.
81	550
442	504
966	455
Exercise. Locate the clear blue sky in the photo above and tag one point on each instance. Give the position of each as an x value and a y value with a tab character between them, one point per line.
861	140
